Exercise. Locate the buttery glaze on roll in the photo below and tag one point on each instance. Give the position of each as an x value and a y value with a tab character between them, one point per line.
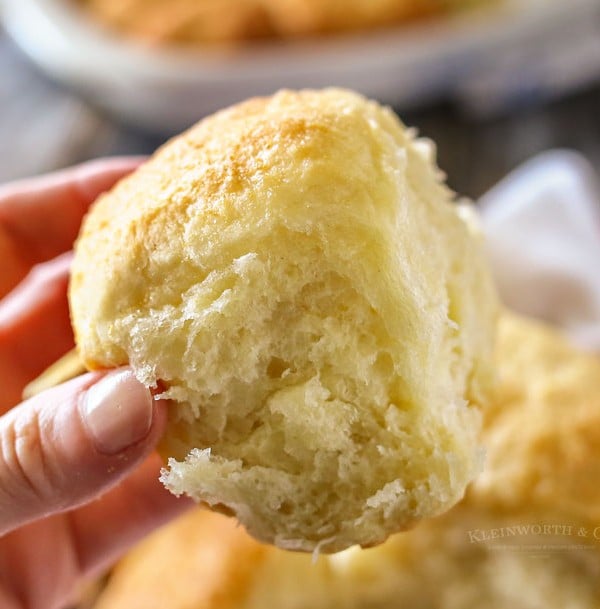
293	273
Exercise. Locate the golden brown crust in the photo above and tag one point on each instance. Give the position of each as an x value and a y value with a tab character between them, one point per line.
200	561
206	21
295	273
542	431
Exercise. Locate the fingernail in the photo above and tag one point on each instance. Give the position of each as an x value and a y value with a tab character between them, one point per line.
117	412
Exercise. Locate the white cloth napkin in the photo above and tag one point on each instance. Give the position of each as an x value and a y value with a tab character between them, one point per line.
542	224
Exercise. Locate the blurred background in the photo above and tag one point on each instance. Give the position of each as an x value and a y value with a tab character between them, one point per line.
492	84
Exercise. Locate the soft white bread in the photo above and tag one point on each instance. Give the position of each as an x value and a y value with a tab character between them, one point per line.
293	273
527	534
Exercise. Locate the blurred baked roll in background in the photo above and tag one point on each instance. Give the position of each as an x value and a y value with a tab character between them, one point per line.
206	21
295	275
526	535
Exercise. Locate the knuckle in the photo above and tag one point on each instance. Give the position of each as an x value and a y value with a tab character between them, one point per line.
23	465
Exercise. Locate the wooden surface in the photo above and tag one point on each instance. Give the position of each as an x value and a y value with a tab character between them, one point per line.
43	127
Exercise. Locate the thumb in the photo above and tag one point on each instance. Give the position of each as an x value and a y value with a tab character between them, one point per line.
65	446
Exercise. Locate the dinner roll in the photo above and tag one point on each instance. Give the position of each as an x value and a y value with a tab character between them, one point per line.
214	565
526	535
228	21
293	274
546	415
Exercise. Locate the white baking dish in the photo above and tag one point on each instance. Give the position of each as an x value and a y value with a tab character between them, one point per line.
490	56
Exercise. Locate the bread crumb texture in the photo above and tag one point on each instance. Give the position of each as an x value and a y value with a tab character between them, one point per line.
526	535
293	273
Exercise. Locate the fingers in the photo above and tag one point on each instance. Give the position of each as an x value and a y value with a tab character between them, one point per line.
64	447
40	217
35	329
42	563
104	529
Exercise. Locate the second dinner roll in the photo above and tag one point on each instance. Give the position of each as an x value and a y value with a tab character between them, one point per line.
200	22
292	272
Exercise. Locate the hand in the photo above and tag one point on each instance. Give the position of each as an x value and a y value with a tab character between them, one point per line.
78	477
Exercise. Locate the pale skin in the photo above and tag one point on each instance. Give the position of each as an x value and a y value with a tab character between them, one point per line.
77	486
